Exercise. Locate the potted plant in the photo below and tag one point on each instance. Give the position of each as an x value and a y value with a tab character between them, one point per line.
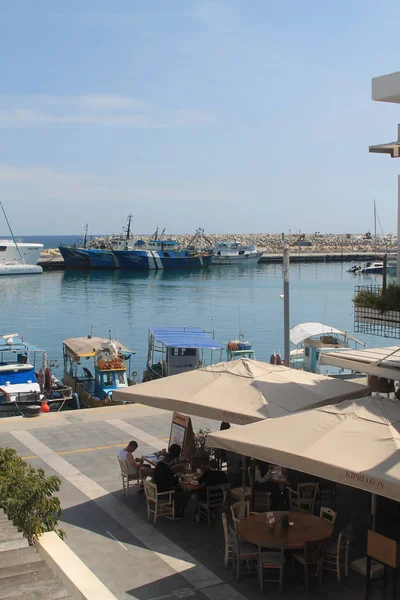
201	452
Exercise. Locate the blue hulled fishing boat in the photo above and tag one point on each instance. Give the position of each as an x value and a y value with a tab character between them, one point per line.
76	256
162	253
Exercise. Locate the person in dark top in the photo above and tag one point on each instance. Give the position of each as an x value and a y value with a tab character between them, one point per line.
211	477
165	481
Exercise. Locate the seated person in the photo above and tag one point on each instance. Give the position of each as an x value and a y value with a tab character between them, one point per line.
174	458
165	481
134	464
212	476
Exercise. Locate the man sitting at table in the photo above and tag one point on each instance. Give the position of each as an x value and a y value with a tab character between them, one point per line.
165	481
212	476
135	464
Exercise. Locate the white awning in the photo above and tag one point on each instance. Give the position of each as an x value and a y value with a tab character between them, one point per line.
382	362
301	332
356	443
241	391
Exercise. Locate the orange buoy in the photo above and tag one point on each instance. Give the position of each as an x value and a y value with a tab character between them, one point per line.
45	408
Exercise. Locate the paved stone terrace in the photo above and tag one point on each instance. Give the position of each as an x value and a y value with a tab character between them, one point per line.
132	557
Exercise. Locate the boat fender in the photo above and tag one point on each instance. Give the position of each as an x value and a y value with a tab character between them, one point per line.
278	359
272	359
45	408
76	403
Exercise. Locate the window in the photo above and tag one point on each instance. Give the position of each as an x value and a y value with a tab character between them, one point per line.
121	379
108	379
3	248
307	351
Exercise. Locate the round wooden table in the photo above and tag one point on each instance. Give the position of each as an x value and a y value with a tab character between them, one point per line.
305	528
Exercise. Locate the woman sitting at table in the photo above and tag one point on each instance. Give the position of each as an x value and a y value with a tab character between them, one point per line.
174	459
165	481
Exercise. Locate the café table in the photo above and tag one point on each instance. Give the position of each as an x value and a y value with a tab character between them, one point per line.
305	528
189	483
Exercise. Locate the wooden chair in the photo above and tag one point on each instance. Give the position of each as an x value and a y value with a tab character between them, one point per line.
127	477
228	541
312	556
216	496
303	499
336	556
159	503
270	560
240	510
329	515
262	502
242	554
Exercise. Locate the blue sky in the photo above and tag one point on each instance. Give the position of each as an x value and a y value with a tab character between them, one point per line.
233	115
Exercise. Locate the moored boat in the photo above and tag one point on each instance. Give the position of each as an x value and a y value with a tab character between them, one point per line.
232	253
311	340
239	349
173	350
26	379
16	257
110	363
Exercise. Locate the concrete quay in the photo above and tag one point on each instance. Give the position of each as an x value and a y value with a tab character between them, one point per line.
133	558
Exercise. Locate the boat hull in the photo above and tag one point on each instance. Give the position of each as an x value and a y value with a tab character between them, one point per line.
20	269
145	260
248	259
87	399
75	258
102	259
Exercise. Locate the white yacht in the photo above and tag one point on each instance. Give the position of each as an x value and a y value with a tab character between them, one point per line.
232	253
18	258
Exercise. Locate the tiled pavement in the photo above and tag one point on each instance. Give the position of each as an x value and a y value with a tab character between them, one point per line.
133	558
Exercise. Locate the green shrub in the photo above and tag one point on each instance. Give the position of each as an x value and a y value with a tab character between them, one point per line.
26	496
383	303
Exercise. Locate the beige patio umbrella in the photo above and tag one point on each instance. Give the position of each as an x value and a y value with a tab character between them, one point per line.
356	443
242	391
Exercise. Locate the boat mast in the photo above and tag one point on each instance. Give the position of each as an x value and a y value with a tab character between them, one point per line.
86	234
128	227
12	235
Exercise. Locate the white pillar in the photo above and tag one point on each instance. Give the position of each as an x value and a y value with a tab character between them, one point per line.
398	229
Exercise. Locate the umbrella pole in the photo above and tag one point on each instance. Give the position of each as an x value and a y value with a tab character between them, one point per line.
374	499
286	318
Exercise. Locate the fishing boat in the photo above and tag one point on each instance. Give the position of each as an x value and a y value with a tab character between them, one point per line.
110	366
232	253
173	350
18	258
76	256
163	252
26	379
312	339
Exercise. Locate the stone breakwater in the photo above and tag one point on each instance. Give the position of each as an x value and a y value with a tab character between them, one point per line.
273	243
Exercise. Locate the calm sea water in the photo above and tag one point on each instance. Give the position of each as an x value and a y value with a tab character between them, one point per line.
47	309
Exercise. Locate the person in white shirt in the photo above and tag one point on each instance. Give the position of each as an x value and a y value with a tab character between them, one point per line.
134	464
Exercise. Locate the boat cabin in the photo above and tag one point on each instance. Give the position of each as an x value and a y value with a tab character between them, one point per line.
96	382
238	349
311	340
174	350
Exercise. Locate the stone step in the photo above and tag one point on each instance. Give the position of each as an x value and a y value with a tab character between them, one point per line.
3	517
44	581
9	532
14	544
37	566
42	595
20	556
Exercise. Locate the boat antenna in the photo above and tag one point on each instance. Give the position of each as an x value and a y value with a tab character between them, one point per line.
128	227
212	320
12	235
375	228
86	235
241	334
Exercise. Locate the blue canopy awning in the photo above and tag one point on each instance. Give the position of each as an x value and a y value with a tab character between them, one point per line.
185	337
